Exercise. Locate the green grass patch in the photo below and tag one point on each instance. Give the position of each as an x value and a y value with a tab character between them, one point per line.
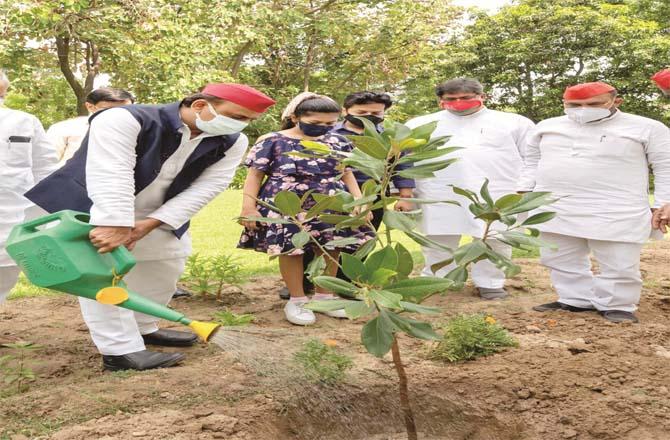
322	363
468	337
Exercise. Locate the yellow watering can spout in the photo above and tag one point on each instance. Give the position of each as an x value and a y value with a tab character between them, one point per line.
204	330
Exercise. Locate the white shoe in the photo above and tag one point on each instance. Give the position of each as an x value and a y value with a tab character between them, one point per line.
339	313
297	314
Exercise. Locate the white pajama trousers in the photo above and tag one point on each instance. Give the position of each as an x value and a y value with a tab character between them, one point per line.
616	287
9	275
117	331
484	273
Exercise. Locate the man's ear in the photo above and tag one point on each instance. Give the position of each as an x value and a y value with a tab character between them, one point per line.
344	112
90	107
198	105
618	101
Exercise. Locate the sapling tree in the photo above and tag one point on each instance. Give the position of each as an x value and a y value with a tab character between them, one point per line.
381	287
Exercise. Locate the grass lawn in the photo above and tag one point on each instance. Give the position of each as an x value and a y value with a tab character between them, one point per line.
215	231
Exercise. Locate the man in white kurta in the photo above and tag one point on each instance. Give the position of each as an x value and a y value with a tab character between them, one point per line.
595	160
26	157
134	157
68	134
493	144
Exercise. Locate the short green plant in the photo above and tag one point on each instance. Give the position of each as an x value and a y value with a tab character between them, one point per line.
321	363
468	337
230	319
14	367
207	275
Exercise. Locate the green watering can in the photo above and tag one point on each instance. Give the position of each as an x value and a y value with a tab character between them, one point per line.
55	252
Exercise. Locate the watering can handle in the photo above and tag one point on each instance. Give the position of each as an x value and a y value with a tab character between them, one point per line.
31	226
124	260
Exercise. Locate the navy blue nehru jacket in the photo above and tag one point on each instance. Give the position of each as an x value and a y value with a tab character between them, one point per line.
159	137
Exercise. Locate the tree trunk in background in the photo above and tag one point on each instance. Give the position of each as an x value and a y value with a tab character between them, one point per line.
92	58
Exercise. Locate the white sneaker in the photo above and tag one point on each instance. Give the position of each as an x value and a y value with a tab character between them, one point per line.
339	313
297	314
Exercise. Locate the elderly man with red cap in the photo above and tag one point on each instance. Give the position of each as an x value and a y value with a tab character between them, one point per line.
596	160
143	171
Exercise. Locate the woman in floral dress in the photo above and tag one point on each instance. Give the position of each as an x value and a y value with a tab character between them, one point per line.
307	117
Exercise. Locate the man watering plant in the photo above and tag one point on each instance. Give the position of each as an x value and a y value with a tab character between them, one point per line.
596	161
143	171
492	147
26	157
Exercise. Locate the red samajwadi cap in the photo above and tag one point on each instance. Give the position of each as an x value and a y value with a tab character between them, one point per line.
662	78
587	90
240	94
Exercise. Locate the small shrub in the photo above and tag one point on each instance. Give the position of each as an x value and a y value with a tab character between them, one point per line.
229	319
14	368
321	363
468	337
209	274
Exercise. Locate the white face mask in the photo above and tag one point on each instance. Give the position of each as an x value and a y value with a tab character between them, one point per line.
584	115
2	101
221	125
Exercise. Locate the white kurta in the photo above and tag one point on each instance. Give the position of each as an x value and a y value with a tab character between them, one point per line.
493	145
161	255
67	136
22	165
600	173
111	185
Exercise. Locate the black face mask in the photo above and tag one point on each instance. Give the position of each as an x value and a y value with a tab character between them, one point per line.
314	130
358	123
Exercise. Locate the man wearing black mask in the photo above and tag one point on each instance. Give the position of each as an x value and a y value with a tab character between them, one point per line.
372	106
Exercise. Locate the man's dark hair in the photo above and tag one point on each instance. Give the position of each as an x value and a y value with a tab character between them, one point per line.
186	102
109	94
315	104
365	97
459	85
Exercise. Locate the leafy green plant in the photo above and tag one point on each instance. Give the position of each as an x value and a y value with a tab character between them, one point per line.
228	318
381	287
207	275
322	363
14	367
467	337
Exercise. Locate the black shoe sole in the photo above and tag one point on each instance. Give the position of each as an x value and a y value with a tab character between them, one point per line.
166	364
572	309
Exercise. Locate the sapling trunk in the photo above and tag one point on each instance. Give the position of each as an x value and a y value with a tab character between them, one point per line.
404	393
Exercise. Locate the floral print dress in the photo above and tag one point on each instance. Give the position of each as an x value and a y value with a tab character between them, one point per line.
298	175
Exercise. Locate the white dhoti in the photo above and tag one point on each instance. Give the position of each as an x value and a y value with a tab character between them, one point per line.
616	287
483	273
117	331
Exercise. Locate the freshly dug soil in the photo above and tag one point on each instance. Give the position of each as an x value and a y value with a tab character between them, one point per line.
573	376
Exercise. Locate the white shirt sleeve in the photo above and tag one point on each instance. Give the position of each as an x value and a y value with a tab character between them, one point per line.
214	180
658	156
524	127
531	159
110	168
45	157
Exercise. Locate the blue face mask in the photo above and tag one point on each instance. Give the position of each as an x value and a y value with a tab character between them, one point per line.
313	130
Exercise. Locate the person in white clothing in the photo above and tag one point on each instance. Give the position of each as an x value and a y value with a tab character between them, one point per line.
67	135
143	172
493	144
26	157
596	161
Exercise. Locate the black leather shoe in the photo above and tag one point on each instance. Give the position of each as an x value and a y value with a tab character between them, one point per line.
560	306
181	293
141	360
618	316
170	338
